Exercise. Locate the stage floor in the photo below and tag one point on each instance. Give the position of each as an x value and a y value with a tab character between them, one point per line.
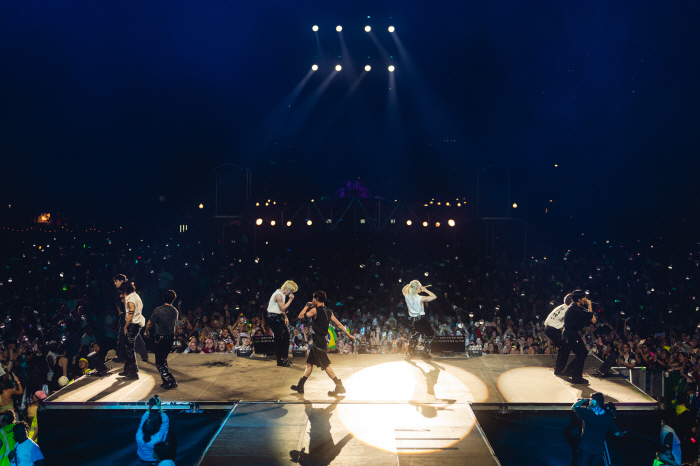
487	382
312	433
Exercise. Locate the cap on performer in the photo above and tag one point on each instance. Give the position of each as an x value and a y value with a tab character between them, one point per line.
322	317
416	314
278	321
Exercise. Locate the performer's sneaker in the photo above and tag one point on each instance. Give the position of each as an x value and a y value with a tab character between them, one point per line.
559	374
298	388
579	381
123	374
132	376
170	386
284	363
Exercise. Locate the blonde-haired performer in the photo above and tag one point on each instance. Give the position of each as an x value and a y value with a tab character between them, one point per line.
278	321
416	314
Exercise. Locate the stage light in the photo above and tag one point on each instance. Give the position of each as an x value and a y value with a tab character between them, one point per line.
367	68
309	222
201	206
368	28
409	223
315	28
289	223
338	67
257	204
272	223
391	68
339	28
515	206
391	28
258	221
451	222
314	67
437	224
425	224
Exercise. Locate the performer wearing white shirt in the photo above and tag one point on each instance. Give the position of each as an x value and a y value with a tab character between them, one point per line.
134	321
416	313
278	321
554	329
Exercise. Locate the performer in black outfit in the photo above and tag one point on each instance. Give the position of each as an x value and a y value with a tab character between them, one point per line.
165	319
322	316
576	318
139	345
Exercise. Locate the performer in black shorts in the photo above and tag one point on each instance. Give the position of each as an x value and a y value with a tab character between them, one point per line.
322	317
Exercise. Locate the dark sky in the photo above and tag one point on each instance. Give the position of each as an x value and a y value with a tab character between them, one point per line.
111	104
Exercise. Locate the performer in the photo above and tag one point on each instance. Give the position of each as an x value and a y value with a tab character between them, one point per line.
322	317
278	321
597	422
416	313
554	329
575	319
139	345
132	326
165	320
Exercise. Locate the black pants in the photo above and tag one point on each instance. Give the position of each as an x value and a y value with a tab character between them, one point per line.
163	347
276	322
421	326
589	459
579	349
132	332
139	345
558	340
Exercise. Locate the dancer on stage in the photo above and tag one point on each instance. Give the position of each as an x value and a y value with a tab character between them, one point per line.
554	329
575	319
278	321
165	320
416	313
322	317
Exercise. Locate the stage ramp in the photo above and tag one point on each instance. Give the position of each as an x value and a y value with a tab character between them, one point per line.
310	433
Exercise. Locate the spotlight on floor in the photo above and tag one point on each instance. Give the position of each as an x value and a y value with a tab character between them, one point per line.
391	28
391	68
367	68
315	28
368	28
258	221
451	222
314	67
339	28
338	67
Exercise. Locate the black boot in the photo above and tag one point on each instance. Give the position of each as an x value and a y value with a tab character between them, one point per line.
299	387
284	363
339	389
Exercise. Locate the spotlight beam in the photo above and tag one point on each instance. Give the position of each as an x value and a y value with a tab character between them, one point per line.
307	106
275	119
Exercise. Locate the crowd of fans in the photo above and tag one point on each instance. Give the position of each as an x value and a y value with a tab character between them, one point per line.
59	302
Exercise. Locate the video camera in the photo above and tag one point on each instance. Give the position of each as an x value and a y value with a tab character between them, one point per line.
153	401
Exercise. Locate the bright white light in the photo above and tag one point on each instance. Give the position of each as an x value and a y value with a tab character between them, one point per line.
391	28
451	222
367	68
437	224
309	222
258	221
391	68
425	224
201	206
368	28
515	206
315	28
289	223
314	67
339	28
409	223
273	223
338	67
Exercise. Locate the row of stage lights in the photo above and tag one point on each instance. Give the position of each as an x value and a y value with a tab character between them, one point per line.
391	68
309	222
339	28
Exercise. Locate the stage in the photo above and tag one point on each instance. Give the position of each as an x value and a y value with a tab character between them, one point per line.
394	411
487	382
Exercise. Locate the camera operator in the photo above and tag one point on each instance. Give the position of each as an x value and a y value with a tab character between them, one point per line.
597	422
153	429
165	319
25	452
